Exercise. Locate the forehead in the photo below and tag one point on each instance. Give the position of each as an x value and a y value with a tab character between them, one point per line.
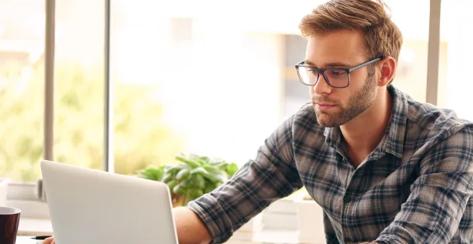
336	47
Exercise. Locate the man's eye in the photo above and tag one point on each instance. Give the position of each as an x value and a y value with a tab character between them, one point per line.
336	72
314	71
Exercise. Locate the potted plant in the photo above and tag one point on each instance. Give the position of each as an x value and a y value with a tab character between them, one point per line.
191	177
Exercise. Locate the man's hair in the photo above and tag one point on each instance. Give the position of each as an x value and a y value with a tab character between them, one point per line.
382	36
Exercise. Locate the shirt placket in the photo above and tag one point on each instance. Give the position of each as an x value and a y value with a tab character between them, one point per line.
346	174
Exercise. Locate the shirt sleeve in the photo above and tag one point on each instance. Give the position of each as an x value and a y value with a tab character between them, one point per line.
439	196
259	182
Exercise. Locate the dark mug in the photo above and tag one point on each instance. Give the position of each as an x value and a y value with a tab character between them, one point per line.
9	220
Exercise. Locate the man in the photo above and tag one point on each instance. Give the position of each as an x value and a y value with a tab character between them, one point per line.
384	168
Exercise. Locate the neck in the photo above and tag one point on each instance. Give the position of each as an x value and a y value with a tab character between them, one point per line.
363	133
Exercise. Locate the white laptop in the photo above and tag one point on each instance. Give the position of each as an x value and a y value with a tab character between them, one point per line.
94	207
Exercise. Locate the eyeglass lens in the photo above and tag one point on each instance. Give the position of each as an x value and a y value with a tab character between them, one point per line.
333	76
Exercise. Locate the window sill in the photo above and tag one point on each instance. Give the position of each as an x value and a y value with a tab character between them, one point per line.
34	217
34	227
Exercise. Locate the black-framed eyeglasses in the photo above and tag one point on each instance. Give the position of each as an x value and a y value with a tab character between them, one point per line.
337	77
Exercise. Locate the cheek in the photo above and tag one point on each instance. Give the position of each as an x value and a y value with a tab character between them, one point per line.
341	97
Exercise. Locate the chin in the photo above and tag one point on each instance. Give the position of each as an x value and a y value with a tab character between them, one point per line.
329	124
325	120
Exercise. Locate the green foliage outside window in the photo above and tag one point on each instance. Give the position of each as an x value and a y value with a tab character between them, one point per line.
21	121
140	136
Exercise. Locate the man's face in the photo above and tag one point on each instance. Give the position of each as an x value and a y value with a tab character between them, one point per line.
344	48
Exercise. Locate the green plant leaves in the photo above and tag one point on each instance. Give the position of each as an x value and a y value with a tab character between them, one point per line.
152	173
192	176
231	169
183	174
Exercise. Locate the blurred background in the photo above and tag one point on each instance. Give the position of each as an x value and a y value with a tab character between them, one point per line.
207	77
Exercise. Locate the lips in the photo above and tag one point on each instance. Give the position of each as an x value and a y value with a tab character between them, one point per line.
324	105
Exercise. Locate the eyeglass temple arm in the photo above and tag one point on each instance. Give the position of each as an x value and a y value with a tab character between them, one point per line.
365	64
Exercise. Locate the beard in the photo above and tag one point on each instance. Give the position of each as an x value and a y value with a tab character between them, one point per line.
357	103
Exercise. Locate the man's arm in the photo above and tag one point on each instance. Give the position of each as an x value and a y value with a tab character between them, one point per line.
190	229
272	175
439	196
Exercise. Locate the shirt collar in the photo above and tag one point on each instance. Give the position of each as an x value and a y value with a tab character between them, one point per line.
394	135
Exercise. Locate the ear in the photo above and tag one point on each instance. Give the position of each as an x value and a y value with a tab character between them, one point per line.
388	69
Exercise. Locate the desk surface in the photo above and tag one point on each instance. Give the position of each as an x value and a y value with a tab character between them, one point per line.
26	240
33	227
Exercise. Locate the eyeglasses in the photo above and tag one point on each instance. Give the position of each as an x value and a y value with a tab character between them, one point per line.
337	77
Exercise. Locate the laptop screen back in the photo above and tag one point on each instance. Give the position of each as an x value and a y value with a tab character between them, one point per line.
95	207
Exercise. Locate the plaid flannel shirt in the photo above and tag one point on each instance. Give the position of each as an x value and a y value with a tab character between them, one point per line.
415	187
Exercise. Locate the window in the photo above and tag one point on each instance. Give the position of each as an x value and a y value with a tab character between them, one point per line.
412	65
21	86
181	81
455	84
185	78
193	79
79	83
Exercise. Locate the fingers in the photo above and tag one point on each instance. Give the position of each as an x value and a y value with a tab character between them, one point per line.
49	240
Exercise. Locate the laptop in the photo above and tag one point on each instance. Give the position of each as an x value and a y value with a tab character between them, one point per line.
95	207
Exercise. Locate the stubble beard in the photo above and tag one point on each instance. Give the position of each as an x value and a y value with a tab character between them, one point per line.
357	103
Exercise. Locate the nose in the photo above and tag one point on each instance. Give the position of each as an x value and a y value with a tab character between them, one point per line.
321	87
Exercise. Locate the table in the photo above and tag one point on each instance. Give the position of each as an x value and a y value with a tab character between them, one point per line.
27	240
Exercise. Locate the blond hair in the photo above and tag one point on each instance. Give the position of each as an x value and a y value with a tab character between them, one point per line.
382	36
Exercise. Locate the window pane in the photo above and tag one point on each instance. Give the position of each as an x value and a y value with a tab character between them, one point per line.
412	18
456	83
21	88
79	83
194	79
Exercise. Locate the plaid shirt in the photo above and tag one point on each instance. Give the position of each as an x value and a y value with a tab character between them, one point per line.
415	187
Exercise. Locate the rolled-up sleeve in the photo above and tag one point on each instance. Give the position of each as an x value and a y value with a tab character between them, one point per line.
259	182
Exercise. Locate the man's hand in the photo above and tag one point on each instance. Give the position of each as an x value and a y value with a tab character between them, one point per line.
49	240
190	229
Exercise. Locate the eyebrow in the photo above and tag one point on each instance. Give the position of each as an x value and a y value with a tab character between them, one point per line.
327	65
